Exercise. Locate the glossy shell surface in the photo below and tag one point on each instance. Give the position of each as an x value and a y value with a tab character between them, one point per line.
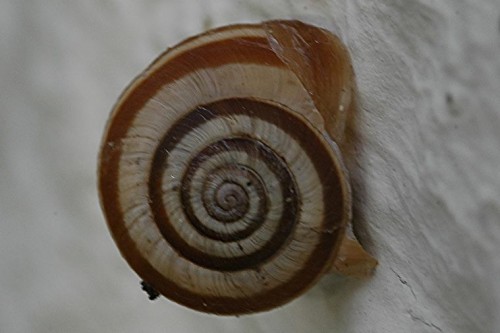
220	174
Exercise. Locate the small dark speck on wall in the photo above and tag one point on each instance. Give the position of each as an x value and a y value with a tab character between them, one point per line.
452	105
449	99
152	293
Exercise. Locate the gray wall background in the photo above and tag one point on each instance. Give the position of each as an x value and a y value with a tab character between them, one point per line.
427	182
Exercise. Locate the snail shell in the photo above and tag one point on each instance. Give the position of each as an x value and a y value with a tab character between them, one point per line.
221	175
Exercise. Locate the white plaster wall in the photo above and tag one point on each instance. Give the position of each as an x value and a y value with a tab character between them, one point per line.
427	180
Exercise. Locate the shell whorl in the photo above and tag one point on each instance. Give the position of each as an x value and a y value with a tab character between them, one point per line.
219	180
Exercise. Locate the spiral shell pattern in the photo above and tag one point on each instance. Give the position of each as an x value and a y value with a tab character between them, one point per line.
219	182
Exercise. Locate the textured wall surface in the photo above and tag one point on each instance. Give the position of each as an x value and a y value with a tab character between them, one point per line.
426	180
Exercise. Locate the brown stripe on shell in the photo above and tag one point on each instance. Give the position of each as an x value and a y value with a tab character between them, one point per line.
307	138
248	50
289	215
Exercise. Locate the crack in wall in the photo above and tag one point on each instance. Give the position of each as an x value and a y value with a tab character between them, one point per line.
404	282
421	320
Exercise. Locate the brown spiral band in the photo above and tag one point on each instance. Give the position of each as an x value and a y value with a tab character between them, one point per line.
254	148
214	232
